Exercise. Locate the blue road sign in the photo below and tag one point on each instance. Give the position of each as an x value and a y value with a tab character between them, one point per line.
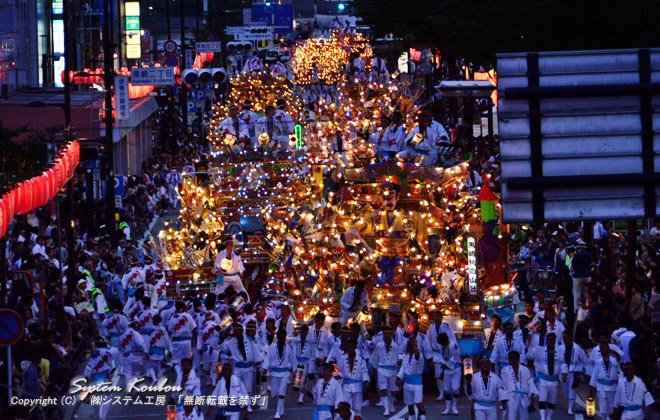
192	107
278	15
119	185
11	327
199	95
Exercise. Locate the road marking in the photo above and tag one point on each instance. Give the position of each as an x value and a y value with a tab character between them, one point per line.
400	415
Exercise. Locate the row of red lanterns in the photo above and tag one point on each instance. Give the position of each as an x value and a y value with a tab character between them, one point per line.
38	190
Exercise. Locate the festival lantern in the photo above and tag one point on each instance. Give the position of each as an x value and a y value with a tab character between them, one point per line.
467	367
487	200
591	406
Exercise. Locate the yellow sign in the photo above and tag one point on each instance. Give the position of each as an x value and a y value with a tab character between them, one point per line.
133	51
132	8
133	37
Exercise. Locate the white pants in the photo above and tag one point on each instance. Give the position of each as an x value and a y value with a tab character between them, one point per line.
485	414
567	387
387	383
605	402
180	350
452	381
247	376
234	281
548	393
278	385
155	366
515	407
131	366
578	288
354	398
412	394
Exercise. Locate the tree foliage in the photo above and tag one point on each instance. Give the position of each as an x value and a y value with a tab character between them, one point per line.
477	30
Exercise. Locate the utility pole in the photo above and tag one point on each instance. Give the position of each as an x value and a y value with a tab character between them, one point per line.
184	92
197	8
68	208
169	20
108	80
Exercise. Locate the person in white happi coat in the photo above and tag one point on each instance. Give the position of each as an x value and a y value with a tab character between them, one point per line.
99	369
304	350
159	345
173	180
354	300
190	412
595	353
278	70
435	329
410	375
631	396
145	322
234	126
230	386
327	393
548	363
377	138
505	345
132	349
285	123
449	360
385	359
332	343
420	142
279	363
492	334
250	118
270	126
354	374
230	266
604	378
622	338
576	360
115	323
285	321
344	412
319	336
553	325
485	389
181	328
394	136
519	387
244	354
187	378
379	72
253	64
208	347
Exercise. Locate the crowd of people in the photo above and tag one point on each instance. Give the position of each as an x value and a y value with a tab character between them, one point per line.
584	320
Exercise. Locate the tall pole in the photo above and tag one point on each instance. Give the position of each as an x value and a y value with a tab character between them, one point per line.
197	11
68	214
169	20
182	64
108	79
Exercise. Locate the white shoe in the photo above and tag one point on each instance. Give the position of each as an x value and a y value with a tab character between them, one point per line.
387	413
570	411
454	410
379	403
365	403
444	413
440	398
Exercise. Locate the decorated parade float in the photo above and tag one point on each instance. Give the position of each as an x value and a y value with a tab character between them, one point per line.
311	221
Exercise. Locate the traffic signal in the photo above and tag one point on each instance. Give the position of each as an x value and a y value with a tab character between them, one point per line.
189	76
259	30
218	75
204	75
239	47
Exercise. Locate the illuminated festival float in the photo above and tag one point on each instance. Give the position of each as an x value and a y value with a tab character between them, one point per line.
311	221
